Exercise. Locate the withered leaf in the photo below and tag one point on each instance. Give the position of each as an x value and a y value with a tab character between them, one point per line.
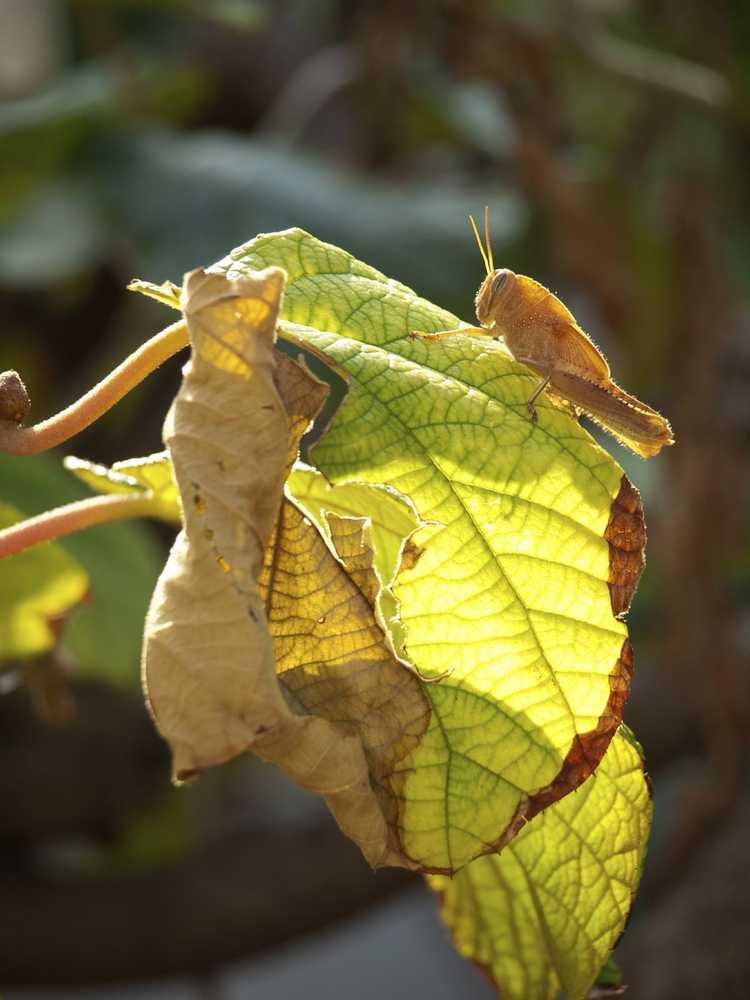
207	652
343	710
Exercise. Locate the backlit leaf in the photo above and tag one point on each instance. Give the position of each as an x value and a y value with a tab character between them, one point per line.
152	475
38	589
543	916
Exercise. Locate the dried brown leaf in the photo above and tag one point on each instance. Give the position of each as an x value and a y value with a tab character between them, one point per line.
207	651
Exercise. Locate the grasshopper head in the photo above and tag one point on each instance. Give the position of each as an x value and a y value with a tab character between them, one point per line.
493	293
497	285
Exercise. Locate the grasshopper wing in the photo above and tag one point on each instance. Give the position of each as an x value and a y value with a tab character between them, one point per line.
574	350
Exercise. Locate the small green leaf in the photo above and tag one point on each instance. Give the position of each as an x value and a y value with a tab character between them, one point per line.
152	474
38	588
543	915
167	292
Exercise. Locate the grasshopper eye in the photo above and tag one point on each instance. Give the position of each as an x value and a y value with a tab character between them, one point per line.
490	294
499	280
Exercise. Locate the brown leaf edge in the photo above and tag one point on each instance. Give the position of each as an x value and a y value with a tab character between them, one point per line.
626	535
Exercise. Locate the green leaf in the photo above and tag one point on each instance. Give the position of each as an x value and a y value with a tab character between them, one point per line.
151	475
38	588
530	548
392	519
543	915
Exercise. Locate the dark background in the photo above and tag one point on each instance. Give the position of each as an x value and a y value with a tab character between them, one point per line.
611	140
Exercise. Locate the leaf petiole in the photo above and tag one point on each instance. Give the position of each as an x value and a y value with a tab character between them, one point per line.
73	517
73	419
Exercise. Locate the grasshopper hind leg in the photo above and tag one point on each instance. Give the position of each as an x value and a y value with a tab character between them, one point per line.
534	396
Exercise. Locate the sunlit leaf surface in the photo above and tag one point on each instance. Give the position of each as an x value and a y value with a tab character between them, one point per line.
511	602
542	916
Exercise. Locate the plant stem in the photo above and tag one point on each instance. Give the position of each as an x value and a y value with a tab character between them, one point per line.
73	517
45	435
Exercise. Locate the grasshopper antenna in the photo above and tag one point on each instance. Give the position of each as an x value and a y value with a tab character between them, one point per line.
487	240
478	238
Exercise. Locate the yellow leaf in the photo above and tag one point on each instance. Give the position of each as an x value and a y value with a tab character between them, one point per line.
38	590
